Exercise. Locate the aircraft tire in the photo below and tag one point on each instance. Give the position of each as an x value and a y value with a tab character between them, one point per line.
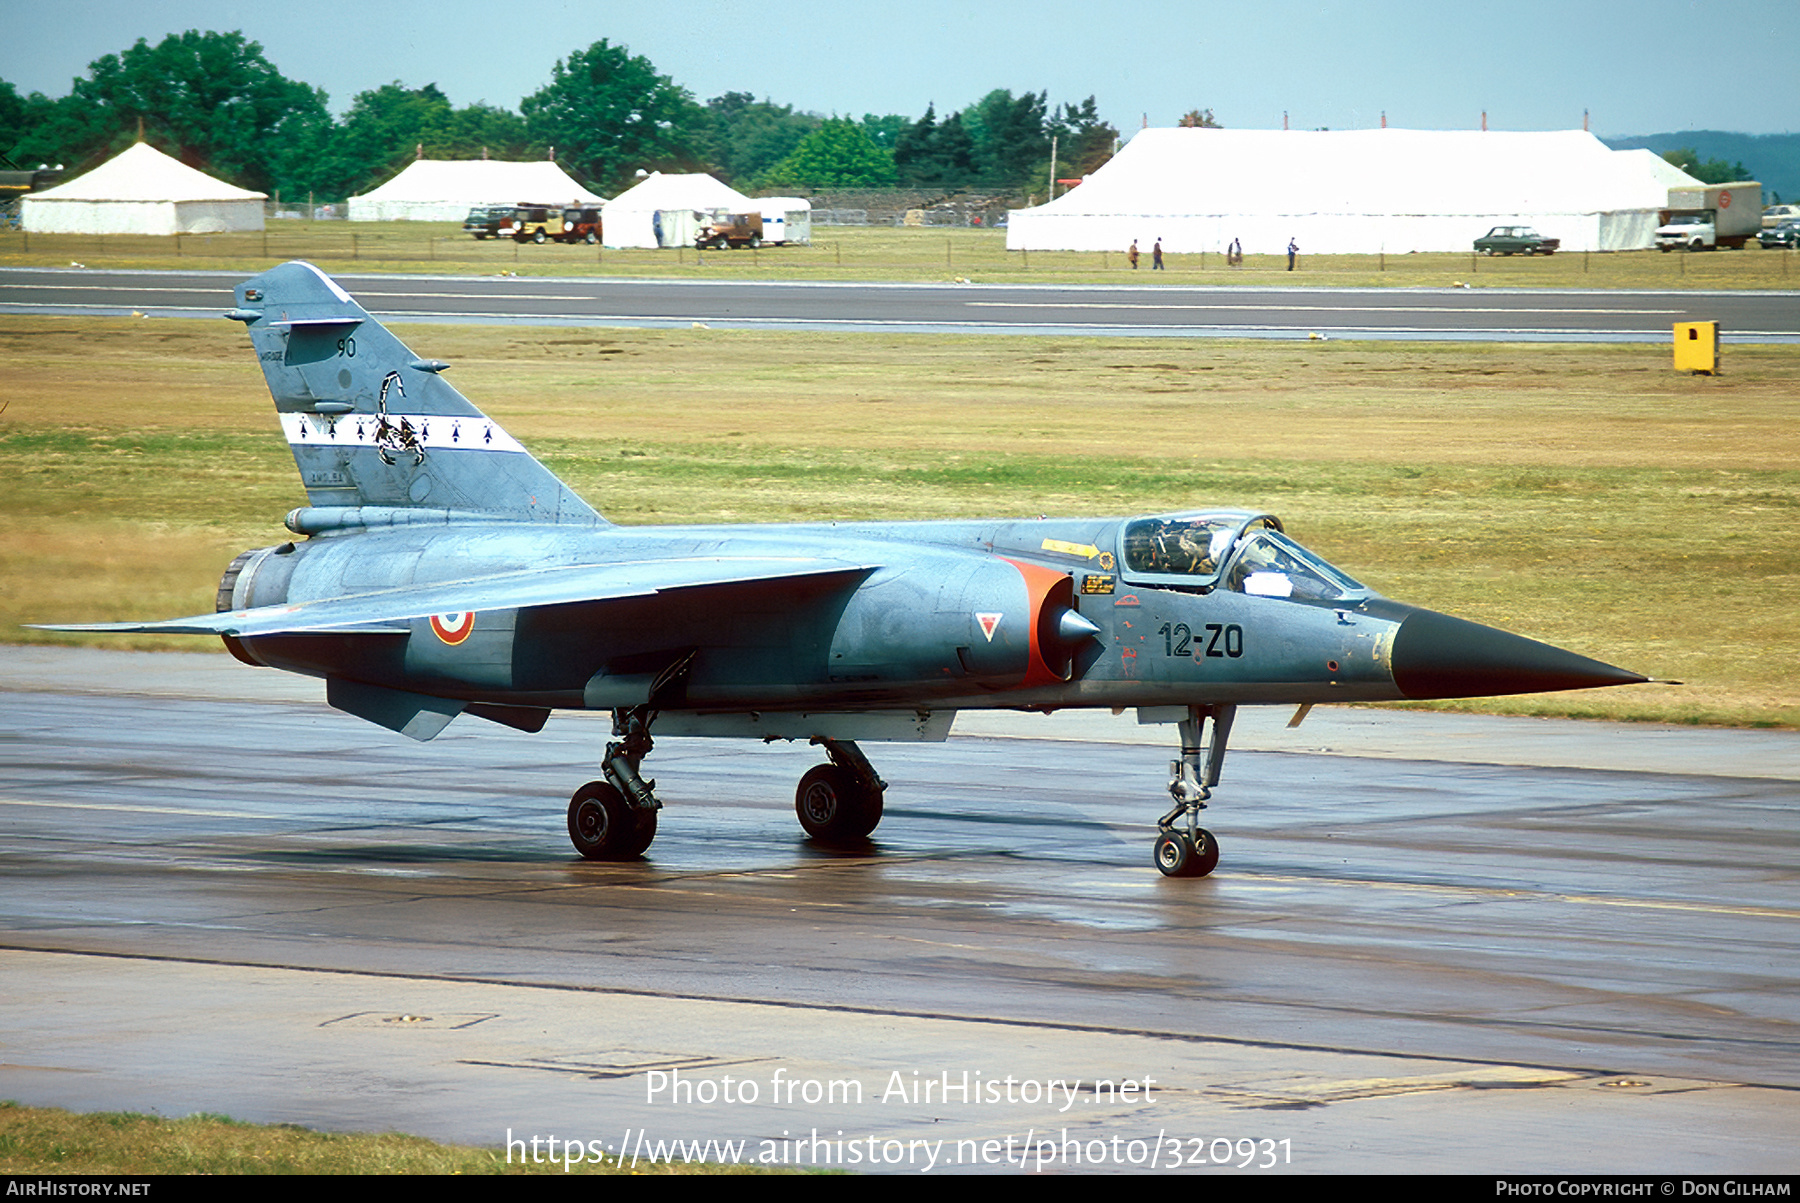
603	826
1175	856
833	808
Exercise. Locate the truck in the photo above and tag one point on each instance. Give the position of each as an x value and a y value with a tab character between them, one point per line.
1711	216
720	228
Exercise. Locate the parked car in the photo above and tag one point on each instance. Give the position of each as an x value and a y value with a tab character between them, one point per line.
535	223
1516	240
484	221
720	229
1786	234
580	225
1775	215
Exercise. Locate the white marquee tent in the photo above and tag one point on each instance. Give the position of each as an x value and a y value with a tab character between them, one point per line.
658	210
445	190
1354	192
143	191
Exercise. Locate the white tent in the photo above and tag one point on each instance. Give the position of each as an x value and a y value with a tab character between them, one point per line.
445	190
659	210
143	191
1353	192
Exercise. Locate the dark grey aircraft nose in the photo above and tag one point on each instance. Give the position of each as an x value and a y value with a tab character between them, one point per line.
1437	656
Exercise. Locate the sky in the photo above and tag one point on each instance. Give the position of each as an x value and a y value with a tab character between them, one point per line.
1643	67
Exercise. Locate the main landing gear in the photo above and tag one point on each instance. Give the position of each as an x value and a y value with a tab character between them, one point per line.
614	819
840	803
1183	848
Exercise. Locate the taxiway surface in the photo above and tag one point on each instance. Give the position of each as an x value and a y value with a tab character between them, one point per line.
1434	943
1496	314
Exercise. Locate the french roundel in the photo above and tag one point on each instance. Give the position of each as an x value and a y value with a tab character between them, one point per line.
453	628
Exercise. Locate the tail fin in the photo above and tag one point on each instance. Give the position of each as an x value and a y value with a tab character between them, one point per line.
375	428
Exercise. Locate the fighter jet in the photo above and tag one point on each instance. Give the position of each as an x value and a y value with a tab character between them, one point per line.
440	570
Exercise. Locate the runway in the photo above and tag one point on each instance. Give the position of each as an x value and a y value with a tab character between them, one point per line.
1435	943
1174	311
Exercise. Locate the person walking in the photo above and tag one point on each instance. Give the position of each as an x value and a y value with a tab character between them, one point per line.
1293	253
1156	256
1131	255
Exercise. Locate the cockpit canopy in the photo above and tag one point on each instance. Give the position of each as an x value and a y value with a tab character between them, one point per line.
1231	549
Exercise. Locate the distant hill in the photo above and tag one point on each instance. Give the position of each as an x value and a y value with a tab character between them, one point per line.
1773	159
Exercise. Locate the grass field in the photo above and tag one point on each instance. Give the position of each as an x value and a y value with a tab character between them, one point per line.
45	1140
1586	495
881	253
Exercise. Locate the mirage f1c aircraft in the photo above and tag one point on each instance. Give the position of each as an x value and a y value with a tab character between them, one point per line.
441	570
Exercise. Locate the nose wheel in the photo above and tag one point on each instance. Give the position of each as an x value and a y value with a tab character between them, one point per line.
1183	848
1178	854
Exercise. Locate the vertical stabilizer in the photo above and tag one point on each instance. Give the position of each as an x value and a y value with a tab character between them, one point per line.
373	425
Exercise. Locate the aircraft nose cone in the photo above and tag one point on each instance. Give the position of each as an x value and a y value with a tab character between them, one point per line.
1437	656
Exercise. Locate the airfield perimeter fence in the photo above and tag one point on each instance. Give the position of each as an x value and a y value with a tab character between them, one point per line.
925	251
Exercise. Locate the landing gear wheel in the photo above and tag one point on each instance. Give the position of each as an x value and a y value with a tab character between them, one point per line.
603	826
1177	856
833	808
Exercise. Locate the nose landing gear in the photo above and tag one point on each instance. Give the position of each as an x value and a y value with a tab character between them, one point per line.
1183	848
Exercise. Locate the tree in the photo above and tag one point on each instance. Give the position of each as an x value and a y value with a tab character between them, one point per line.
1711	171
609	115
885	130
747	136
211	99
1010	137
1198	119
15	118
389	126
839	154
929	154
1085	142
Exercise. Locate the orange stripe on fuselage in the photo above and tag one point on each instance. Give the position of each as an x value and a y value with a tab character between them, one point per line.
1039	581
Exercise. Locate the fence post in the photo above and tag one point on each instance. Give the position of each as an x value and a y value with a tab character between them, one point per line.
355	253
